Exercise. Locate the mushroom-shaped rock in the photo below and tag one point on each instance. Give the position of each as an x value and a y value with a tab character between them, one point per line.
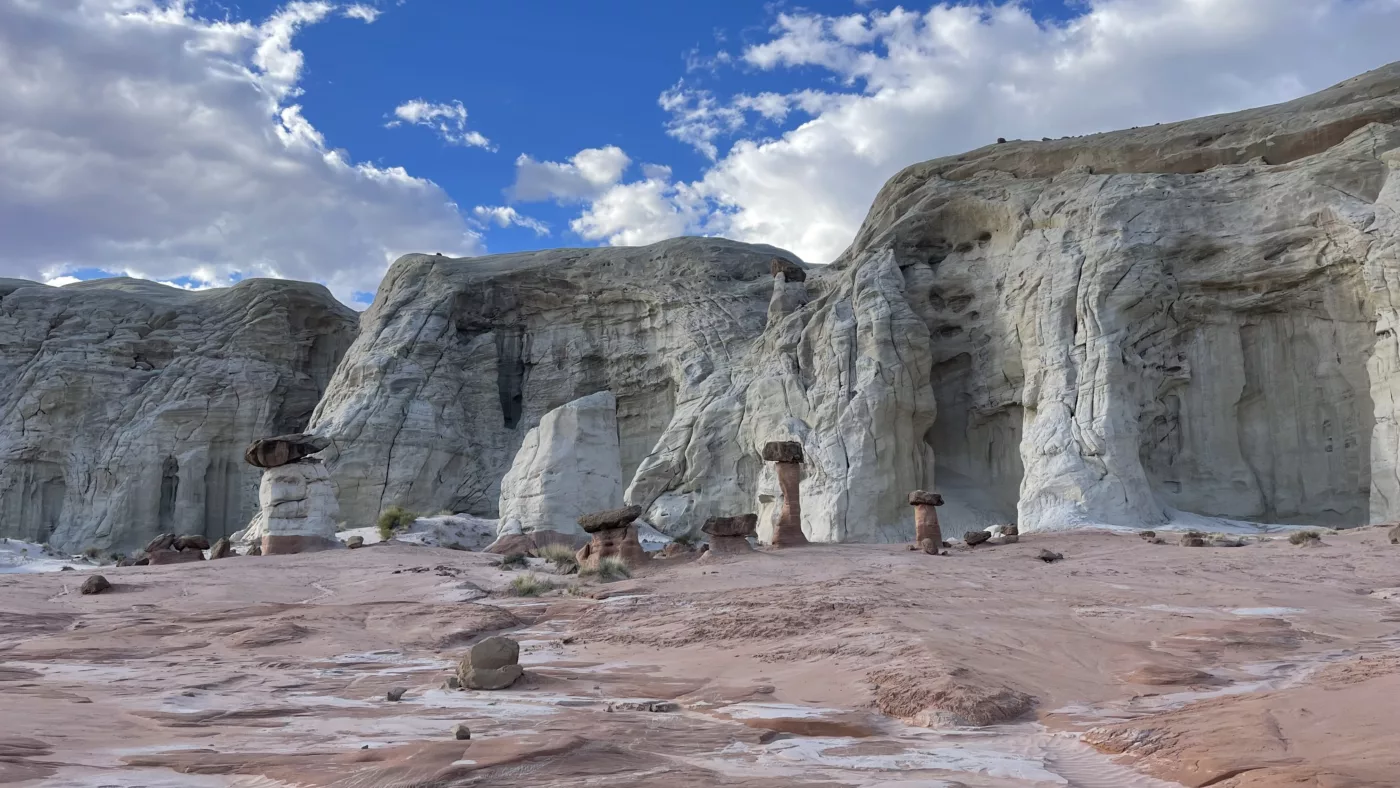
731	534
492	664
614	534
926	517
283	449
95	584
788	455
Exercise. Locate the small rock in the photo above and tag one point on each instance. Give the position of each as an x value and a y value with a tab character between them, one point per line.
1148	535
397	693
221	549
95	584
67	568
354	542
974	538
1049	557
461	732
256	549
929	546
664	707
452	683
1395	535
1192	539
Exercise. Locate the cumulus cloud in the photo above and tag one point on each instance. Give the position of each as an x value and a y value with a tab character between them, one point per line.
448	120
586	175
907	85
505	216
138	138
366	13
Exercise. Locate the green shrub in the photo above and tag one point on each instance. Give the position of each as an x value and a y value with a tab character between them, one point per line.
530	585
91	553
395	518
562	556
1303	537
608	569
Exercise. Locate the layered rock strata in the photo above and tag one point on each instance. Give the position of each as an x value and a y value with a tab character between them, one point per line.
125	404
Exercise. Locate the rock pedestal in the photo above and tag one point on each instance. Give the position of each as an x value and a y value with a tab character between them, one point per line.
614	534
296	500
926	517
729	535
788	456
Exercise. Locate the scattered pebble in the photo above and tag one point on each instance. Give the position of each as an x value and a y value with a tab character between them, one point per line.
1049	557
397	693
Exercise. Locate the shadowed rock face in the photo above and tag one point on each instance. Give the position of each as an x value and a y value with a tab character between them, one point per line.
126	404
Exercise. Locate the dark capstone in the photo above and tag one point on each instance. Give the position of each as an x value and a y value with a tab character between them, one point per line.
922	498
613	518
782	451
791	271
742	525
283	449
974	538
192	542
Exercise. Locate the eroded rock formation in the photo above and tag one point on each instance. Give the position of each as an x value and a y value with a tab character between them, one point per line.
568	466
614	535
125	405
297	510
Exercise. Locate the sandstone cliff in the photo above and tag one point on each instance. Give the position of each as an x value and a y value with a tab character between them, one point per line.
1190	318
125	405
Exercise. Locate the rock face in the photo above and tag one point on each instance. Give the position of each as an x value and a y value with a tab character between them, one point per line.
297	510
127	404
569	465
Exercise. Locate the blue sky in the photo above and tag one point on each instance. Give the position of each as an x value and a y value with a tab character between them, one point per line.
201	142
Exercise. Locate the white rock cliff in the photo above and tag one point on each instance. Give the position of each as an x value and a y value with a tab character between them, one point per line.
125	405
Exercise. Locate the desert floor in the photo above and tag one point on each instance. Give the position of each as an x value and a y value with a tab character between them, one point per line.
1263	665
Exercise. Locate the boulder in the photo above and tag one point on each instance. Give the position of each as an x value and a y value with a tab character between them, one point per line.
221	549
568	466
461	732
161	542
355	542
491	664
160	557
974	538
95	584
191	542
283	450
396	694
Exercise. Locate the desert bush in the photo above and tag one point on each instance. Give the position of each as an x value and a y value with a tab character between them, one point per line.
608	569
511	561
395	518
91	553
530	585
562	556
1303	537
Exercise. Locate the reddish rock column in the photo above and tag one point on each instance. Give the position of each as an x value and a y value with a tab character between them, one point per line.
788	456
614	534
926	518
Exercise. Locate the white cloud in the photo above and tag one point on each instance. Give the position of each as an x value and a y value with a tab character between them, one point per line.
905	86
367	13
505	216
585	176
136	137
60	281
448	120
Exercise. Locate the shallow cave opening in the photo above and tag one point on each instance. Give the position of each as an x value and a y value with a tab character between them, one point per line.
977	453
